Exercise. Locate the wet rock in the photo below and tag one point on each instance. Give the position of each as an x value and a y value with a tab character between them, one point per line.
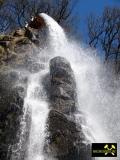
63	88
11	111
32	65
63	133
66	139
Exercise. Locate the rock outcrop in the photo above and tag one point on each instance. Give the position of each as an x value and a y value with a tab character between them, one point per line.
66	139
11	111
15	46
63	88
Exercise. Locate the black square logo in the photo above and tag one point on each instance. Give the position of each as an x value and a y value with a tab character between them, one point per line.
104	149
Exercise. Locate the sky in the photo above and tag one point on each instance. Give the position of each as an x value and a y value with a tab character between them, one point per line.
85	7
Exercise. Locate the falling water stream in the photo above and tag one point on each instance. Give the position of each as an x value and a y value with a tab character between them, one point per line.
101	107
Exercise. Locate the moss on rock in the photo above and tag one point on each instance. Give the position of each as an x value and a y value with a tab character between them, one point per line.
14	47
6	37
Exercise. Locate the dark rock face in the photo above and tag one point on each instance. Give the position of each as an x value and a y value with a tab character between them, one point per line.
63	135
66	139
11	110
62	94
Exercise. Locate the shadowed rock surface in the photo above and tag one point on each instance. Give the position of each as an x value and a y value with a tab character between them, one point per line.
66	139
63	87
11	111
18	54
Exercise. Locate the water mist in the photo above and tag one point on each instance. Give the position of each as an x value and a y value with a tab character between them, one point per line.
99	102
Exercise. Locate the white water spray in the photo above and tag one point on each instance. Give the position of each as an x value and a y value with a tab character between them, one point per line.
57	37
37	102
100	107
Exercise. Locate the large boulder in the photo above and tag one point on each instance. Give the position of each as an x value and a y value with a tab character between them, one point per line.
66	139
63	88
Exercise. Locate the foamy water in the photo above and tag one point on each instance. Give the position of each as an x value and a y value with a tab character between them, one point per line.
37	101
100	107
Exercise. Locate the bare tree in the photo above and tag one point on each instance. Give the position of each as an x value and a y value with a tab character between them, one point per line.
19	11
1	2
104	32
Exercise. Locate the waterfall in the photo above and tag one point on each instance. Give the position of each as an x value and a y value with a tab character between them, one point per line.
37	102
99	106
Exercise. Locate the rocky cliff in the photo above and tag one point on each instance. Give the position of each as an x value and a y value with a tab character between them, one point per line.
17	52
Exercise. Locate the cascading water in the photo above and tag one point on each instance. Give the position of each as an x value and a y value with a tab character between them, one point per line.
101	107
37	101
38	104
